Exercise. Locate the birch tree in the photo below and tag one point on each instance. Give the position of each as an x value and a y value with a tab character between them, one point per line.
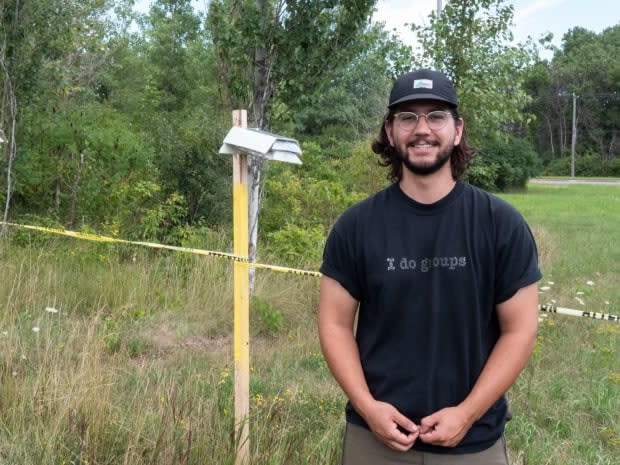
272	52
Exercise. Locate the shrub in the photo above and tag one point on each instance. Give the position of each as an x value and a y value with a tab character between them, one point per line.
504	164
295	244
588	164
558	167
303	201
165	221
270	317
481	174
613	167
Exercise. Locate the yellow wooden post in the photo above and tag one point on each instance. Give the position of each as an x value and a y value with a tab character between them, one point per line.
241	331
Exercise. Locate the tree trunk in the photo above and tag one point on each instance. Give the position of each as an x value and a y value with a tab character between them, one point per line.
11	150
612	143
255	192
74	192
550	136
262	94
561	132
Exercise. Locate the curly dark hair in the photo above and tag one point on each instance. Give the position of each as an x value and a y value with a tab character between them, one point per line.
459	159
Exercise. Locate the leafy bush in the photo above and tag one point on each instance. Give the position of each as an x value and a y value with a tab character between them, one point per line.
165	221
295	244
588	164
482	175
29	238
303	201
364	175
614	167
558	167
504	164
270	317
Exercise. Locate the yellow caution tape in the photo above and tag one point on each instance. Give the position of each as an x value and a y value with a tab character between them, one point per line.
551	308
154	245
548	308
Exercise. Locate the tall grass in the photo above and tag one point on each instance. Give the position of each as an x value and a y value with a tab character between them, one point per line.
118	355
567	402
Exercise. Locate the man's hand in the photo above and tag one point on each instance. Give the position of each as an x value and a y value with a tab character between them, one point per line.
446	427
390	426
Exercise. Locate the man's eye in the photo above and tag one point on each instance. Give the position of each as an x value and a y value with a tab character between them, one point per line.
439	116
436	116
409	117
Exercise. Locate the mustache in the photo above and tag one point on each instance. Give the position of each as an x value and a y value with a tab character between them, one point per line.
421	142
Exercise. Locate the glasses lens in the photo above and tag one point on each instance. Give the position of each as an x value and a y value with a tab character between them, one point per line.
406	120
437	119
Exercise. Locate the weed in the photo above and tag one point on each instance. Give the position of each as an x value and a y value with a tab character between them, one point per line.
270	317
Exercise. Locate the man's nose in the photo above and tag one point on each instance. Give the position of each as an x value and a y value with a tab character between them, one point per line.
422	125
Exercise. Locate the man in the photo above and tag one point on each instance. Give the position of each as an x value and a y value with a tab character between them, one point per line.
441	277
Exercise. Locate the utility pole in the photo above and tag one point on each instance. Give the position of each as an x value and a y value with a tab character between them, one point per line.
437	60
574	137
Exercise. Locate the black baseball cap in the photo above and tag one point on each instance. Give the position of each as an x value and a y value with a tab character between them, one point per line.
423	84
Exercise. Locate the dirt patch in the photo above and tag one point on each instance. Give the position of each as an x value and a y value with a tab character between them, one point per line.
223	344
208	344
164	337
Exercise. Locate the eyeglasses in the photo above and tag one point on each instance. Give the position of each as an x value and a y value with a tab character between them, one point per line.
436	120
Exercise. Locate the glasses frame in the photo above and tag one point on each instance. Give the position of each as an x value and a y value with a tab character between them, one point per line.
431	126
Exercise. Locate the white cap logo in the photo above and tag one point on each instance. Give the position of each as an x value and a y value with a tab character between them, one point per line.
423	84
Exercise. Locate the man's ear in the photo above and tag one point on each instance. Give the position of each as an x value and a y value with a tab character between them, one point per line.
389	126
458	134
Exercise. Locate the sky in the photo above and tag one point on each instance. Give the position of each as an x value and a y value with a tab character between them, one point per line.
532	18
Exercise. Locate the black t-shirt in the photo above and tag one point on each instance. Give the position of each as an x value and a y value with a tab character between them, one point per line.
428	278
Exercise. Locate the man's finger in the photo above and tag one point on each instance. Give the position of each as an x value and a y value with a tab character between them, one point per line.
404	424
401	441
428	424
432	437
398	446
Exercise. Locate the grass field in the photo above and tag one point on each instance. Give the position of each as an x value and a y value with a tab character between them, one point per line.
119	355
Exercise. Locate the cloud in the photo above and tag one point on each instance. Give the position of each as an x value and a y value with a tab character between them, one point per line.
534	7
395	13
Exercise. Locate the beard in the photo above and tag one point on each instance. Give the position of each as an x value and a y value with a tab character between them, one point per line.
425	168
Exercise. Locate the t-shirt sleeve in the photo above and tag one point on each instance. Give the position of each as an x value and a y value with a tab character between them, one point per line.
517	256
339	258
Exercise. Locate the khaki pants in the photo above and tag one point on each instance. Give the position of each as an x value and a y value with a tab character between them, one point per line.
361	447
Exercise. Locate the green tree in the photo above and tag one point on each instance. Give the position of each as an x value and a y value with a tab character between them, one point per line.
350	105
538	83
185	115
34	37
470	41
79	156
595	86
271	51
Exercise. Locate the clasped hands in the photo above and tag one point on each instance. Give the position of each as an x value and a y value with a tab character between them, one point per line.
446	427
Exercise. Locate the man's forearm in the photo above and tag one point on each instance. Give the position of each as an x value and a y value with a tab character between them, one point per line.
342	357
507	360
518	322
448	426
